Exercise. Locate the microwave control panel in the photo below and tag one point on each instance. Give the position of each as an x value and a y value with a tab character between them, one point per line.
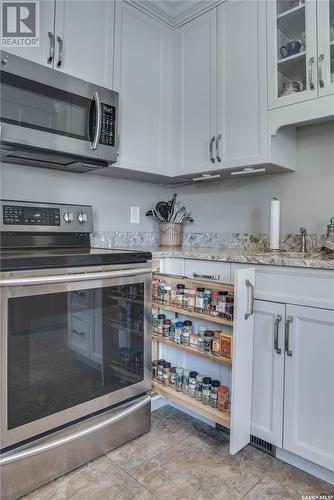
107	136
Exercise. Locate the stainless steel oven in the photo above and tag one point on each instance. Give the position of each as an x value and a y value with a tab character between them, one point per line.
53	120
73	342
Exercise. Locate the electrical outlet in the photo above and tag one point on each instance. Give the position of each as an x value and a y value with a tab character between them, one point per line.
135	215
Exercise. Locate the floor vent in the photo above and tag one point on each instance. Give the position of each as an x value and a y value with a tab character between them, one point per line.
223	429
263	445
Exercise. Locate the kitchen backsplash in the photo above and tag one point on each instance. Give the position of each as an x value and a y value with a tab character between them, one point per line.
247	241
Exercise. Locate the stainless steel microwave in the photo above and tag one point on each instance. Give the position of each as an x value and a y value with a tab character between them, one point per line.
53	120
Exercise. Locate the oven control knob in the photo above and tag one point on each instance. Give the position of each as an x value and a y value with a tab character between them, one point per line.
68	217
82	217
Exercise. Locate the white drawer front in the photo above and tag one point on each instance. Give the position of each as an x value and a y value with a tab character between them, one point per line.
291	285
207	270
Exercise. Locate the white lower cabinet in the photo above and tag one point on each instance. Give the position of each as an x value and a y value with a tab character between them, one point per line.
309	385
268	372
293	380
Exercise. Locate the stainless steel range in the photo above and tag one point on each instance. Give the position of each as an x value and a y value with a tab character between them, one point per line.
75	344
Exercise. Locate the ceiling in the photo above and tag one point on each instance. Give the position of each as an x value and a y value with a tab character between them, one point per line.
176	8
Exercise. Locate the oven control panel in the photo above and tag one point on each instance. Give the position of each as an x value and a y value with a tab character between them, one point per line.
107	136
44	217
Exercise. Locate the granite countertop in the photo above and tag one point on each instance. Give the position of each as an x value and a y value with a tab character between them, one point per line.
314	260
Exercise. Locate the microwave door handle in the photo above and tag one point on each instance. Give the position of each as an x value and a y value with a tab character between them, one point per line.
98	120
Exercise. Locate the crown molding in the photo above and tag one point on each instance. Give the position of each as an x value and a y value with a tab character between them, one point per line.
175	22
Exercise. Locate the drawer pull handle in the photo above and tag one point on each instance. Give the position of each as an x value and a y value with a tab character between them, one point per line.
278	319
250	296
214	277
287	335
82	334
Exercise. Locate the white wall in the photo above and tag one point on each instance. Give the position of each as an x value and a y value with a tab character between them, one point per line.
111	198
239	205
242	205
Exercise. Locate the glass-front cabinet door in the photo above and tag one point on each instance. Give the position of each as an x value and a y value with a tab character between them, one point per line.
292	51
71	350
326	46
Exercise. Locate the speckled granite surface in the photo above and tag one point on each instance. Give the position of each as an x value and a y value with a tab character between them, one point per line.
224	247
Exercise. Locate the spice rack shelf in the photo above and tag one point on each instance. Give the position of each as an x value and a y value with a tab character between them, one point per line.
193	314
192	404
217	359
225	287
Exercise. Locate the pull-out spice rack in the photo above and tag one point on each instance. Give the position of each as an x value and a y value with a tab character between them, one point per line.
235	372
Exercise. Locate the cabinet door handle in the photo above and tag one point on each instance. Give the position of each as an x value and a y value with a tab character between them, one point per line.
289	320
214	277
61	51
250	293
52	47
218	138
321	81
310	74
211	149
278	319
81	334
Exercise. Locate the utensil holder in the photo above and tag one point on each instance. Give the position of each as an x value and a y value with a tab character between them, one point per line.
171	234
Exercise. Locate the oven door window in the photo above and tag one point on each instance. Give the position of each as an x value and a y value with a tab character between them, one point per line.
71	347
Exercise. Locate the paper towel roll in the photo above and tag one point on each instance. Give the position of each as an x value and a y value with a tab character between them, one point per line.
274	224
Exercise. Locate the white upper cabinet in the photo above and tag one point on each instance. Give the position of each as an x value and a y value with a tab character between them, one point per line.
300	51
309	385
44	53
196	94
242	88
141	74
326	46
84	34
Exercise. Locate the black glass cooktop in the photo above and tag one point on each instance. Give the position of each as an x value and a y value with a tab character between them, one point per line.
40	258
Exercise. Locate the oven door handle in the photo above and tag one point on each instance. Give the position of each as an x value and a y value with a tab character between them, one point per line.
35	450
65	278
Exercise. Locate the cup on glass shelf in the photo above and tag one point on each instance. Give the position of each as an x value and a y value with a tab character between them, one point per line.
290	48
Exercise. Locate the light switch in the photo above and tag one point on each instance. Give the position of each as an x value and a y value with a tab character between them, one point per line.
135	215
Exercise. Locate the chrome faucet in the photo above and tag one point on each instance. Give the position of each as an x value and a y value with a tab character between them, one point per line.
303	235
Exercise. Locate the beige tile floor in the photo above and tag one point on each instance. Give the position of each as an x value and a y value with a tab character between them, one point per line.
182	458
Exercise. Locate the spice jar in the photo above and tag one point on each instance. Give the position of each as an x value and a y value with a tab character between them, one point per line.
214	393
155	322
193	341
173	322
208	336
223	398
214	303
161	292
186	332
222	303
173	295
166	328
207	300
199	305
215	343
178	379
167	295
185	299
154	369
166	373
192	384
155	290
179	296
198	390
191	299
229	307
206	390
160	370
178	332
200	341
185	381
160	324
172	376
